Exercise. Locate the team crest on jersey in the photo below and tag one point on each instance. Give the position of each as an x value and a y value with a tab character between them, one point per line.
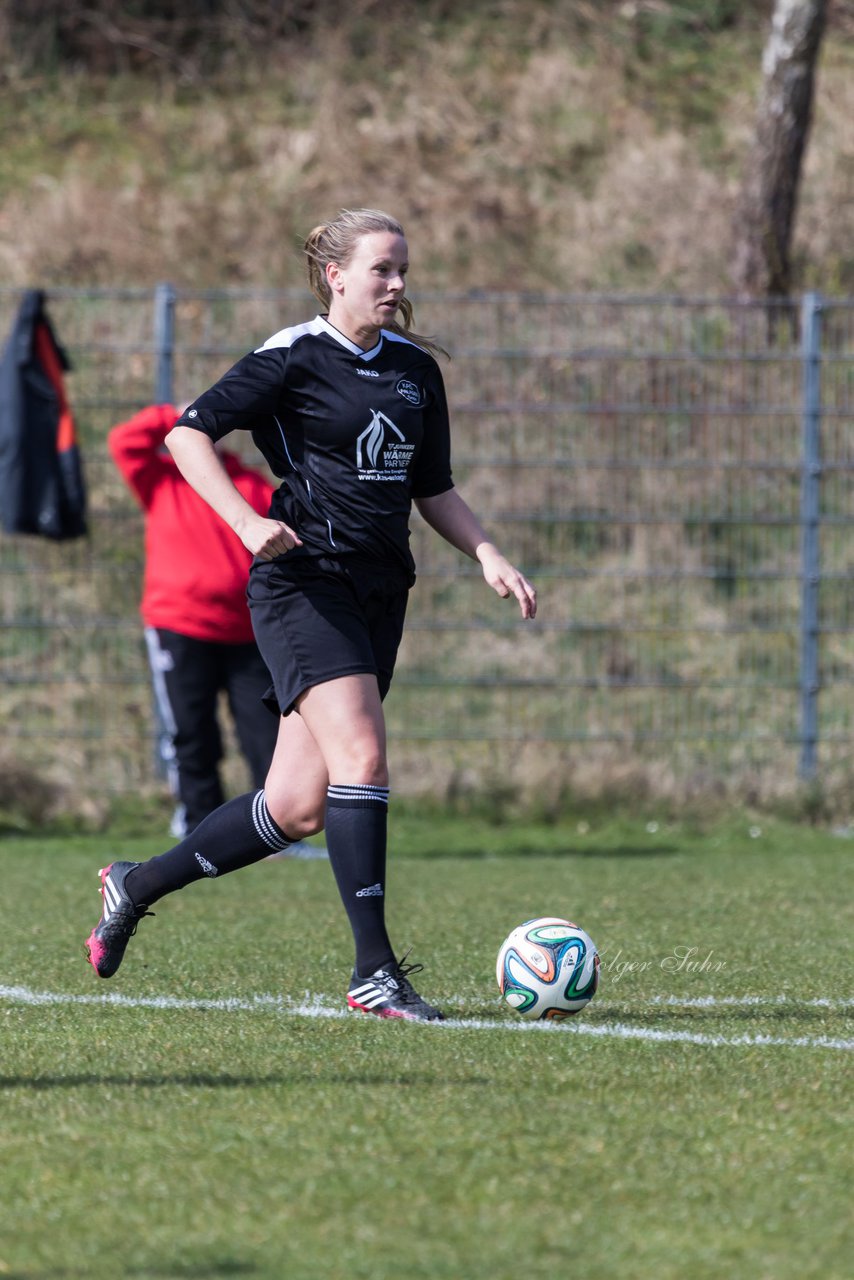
382	451
409	391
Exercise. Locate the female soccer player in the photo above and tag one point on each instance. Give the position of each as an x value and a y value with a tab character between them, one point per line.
349	410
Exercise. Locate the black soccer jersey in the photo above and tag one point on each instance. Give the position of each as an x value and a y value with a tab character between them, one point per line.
354	435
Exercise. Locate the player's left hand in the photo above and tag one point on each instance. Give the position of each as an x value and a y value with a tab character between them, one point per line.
506	580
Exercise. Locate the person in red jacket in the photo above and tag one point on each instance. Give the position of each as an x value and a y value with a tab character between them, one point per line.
197	626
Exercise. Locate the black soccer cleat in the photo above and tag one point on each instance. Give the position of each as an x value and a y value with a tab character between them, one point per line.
388	993
105	946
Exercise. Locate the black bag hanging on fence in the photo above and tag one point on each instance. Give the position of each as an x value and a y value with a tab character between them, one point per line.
41	472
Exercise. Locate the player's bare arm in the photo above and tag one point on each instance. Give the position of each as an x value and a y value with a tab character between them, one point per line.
455	521
198	461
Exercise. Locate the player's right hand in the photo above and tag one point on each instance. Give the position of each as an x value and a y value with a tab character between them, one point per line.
267	539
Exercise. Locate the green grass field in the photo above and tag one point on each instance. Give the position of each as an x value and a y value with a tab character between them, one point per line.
213	1111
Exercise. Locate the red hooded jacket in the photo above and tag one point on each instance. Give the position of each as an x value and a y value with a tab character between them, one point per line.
196	568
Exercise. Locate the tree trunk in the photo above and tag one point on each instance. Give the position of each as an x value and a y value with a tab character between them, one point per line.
766	211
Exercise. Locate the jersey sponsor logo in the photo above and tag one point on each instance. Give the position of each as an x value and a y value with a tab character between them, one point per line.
367	373
382	450
409	391
372	891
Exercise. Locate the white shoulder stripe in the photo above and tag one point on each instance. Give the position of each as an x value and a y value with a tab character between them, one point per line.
287	337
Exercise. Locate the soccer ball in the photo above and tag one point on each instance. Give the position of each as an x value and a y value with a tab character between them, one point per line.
547	968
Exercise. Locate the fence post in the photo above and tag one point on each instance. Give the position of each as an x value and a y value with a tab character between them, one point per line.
810	518
164	342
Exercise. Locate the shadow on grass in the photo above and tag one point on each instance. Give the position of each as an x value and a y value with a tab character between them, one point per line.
474	854
177	1271
224	1081
628	851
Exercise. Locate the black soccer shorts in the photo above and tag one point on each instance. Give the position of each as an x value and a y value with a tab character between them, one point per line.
316	619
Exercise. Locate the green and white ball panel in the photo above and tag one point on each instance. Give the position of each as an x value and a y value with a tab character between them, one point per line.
547	968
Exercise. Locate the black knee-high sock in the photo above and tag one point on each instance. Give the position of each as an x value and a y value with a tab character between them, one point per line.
356	826
235	835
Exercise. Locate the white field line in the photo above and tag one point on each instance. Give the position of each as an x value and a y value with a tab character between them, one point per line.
711	1002
317	1007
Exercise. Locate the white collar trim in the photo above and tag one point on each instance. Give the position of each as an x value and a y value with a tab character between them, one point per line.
347	344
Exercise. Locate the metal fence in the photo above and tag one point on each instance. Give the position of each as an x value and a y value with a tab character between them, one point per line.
673	473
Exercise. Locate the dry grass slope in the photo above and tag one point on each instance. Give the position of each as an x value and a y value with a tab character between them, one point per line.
563	146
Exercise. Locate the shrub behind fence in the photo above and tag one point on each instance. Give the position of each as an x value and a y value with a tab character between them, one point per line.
673	473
